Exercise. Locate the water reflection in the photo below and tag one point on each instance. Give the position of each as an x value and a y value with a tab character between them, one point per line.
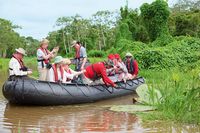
67	119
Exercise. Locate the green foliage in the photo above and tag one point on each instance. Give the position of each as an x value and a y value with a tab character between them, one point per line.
96	53
180	95
155	17
123	32
155	58
124	46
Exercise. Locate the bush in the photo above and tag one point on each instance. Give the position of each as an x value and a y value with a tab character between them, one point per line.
96	53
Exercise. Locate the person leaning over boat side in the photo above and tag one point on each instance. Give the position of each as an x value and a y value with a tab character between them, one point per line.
43	58
97	71
80	56
131	65
16	64
68	72
56	72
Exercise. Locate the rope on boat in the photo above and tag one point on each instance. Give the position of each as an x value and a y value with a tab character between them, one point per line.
22	88
52	90
65	89
37	89
81	90
122	87
106	87
98	88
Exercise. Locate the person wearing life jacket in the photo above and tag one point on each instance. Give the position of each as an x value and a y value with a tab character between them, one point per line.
121	69
56	72
97	71
80	56
43	58
131	65
16	64
111	71
69	73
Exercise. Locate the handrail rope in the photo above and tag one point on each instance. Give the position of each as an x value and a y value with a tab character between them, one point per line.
37	90
22	88
65	89
129	84
98	88
52	89
107	88
122	87
81	90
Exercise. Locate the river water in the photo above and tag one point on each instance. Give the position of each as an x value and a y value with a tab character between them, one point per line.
84	118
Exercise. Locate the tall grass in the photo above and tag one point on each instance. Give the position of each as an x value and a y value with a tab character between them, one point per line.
180	95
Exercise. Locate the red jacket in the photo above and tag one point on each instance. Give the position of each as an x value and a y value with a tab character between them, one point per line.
100	70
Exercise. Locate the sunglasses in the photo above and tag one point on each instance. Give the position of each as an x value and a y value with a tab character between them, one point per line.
128	56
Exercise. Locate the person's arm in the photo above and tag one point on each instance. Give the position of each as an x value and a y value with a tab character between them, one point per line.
75	73
105	78
84	54
83	64
41	54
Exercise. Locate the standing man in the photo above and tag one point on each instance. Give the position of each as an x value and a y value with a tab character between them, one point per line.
16	65
80	56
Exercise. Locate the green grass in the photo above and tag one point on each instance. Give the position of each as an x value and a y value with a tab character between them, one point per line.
180	95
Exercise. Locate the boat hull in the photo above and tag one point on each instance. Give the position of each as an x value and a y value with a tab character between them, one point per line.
33	92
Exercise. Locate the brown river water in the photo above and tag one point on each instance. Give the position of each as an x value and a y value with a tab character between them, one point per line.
84	118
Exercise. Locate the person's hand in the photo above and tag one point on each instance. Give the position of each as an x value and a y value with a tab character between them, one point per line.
82	68
83	71
29	72
55	49
115	85
134	76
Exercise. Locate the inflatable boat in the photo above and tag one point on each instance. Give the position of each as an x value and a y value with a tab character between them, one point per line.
25	91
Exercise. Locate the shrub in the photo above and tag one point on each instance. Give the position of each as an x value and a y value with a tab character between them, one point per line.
96	53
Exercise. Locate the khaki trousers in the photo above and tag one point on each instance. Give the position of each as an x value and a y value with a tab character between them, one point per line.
43	74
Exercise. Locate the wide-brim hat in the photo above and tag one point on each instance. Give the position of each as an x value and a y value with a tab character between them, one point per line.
67	61
73	43
21	51
58	59
129	54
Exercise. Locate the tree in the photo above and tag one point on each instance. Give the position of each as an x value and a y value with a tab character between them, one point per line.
155	17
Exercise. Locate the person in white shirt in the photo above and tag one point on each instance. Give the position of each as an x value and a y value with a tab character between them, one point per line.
16	64
68	72
56	72
43	58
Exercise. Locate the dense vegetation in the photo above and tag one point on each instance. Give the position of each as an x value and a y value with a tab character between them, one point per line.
161	38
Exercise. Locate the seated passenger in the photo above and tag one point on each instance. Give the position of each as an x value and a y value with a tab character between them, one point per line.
16	64
56	72
97	71
121	69
131	65
69	73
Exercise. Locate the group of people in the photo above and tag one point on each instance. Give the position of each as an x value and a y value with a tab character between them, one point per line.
105	72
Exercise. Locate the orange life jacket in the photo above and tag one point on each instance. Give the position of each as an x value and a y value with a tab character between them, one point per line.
45	51
54	66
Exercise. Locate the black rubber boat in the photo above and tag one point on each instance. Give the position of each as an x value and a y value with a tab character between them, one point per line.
26	91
